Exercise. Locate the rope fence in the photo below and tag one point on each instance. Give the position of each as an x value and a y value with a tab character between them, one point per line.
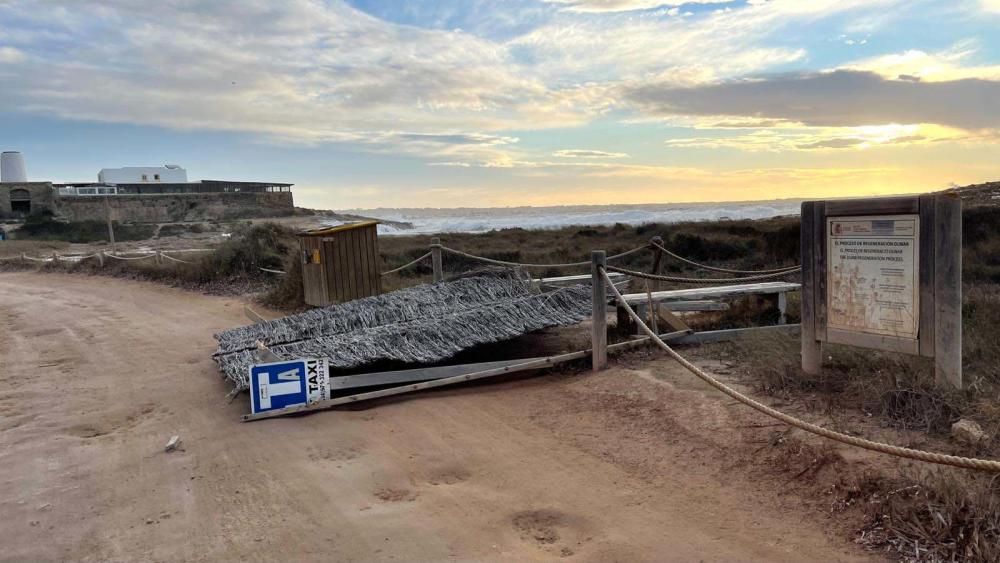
656	246
178	260
146	257
898	451
436	249
408	264
527	265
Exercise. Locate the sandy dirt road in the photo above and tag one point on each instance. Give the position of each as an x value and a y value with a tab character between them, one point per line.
96	374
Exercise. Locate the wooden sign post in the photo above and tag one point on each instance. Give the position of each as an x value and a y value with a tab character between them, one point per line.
884	273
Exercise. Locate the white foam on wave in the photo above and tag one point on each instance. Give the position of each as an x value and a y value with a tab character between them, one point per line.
478	220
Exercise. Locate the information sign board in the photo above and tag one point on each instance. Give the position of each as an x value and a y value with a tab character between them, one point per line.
872	274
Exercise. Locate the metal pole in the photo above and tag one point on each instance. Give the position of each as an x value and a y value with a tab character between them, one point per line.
599	300
436	259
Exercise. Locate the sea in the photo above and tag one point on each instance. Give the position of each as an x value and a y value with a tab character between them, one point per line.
402	221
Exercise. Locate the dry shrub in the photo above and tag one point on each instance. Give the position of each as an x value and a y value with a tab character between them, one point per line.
980	319
234	268
898	387
942	515
288	293
14	247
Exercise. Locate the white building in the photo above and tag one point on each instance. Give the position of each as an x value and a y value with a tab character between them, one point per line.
169	173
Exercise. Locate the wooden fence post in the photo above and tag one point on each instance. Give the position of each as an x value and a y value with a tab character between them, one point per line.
55	257
599	300
657	256
436	259
23	259
947	291
100	258
159	257
812	349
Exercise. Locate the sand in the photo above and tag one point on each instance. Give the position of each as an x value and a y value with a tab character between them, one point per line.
97	374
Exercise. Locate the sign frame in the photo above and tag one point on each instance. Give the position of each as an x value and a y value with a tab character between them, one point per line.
938	281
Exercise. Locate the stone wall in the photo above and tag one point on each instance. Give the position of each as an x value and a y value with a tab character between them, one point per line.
170	208
41	196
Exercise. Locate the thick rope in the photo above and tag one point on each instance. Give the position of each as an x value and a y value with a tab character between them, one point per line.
407	265
109	255
178	260
677	279
279	272
715	269
76	257
523	265
38	259
919	455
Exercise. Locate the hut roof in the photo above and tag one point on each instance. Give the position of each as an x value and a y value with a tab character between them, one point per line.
324	231
417	325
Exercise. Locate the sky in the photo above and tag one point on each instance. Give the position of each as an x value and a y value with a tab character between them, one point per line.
477	103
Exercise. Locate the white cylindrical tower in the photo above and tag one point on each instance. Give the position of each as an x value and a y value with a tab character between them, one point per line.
12	167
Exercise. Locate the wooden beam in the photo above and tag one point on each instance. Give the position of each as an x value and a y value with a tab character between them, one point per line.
714	292
657	258
702	305
560	280
873	206
948	291
252	315
708	336
811	347
417	374
599	302
877	341
925	330
819	268
524	365
436	265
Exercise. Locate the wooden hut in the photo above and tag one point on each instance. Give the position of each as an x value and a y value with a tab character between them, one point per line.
340	263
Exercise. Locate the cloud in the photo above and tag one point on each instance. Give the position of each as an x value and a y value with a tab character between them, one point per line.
299	71
916	65
805	138
581	153
458	138
990	6
838	98
11	55
838	143
306	71
599	6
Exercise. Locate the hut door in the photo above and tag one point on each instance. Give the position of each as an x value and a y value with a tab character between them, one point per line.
313	277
